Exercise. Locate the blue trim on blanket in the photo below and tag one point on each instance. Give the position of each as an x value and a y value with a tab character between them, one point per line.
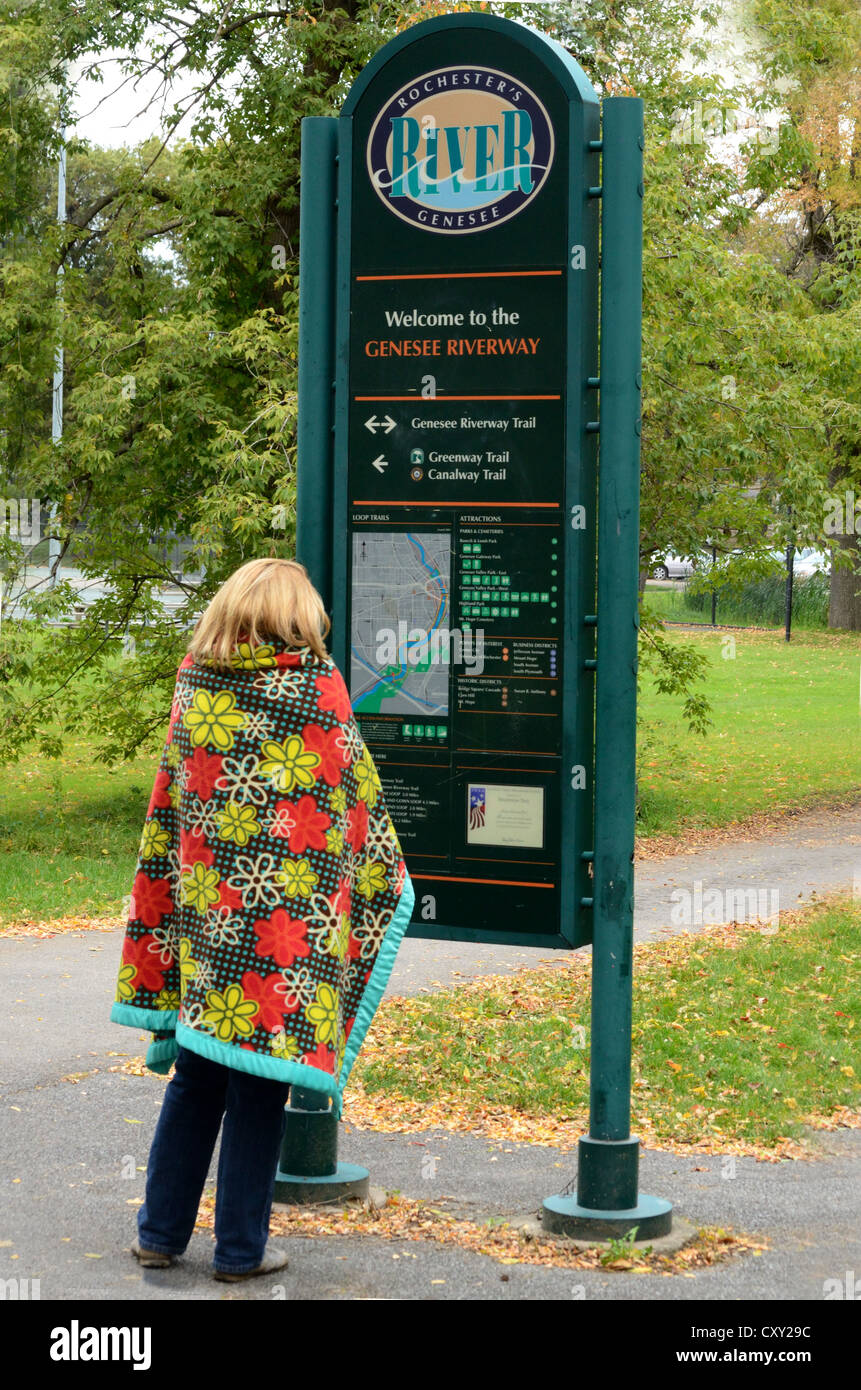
161	1055
375	988
242	1059
153	1020
162	1052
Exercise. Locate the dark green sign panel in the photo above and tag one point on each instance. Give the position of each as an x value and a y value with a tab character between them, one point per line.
451	508
464	472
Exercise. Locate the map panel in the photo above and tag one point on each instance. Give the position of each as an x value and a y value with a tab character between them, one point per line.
401	605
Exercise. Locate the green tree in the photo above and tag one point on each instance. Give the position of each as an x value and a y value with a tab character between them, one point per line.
179	312
811	192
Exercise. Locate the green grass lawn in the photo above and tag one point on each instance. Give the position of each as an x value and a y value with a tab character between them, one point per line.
69	831
738	1035
786	733
669	604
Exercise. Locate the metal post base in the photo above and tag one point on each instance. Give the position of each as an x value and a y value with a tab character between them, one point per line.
348	1180
563	1216
309	1170
608	1202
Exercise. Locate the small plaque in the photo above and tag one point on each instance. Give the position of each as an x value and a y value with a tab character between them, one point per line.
505	815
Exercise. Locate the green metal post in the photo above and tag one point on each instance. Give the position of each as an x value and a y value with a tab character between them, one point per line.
317	241
608	1201
309	1170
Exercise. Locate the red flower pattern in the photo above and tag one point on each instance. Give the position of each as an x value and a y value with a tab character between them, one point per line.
331	748
333	696
160	798
282	938
193	849
270	994
322	1057
357	825
151	900
149	966
204	770
309	825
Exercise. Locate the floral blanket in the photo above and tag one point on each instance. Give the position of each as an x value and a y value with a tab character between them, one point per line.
271	894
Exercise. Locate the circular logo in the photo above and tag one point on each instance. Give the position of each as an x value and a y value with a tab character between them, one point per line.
460	150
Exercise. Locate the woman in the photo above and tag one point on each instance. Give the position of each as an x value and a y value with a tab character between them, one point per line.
268	905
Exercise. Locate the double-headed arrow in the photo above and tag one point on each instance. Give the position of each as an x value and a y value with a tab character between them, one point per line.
374	424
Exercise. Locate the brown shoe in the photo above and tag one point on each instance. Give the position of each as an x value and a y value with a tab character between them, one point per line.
273	1259
152	1259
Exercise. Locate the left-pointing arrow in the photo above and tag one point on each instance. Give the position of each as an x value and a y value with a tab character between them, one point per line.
380	463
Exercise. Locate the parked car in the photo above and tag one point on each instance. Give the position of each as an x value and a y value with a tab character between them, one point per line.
805	562
671	567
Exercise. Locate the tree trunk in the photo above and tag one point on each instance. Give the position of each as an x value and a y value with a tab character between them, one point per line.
844	606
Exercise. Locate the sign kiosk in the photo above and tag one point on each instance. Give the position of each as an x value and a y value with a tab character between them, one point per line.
468	485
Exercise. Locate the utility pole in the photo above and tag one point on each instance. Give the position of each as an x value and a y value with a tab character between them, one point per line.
59	363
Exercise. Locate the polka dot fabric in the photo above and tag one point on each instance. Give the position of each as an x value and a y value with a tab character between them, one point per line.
270	893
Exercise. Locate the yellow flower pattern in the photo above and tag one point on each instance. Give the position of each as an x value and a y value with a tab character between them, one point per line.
214	719
200	887
371	879
323	1013
238	823
229	1013
284	1045
297	878
187	966
125	983
289	764
367	779
154	841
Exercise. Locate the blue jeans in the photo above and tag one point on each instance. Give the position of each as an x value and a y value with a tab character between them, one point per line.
197	1097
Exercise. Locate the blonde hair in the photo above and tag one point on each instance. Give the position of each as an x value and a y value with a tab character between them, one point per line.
263	599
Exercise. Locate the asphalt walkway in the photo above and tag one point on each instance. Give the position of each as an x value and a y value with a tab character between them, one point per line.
72	1129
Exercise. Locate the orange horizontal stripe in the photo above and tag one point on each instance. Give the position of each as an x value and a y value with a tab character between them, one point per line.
530	752
463	275
443	399
485	859
506	882
492	506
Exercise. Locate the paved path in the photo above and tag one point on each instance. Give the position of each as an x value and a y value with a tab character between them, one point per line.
67	1142
70	1218
57	992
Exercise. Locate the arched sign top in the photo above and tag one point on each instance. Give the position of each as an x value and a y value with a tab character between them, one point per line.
560	65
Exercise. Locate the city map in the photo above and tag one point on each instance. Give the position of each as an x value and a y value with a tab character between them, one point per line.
400	618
